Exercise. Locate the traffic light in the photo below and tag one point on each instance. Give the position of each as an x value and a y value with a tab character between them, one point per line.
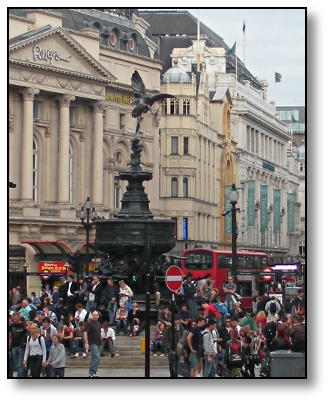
74	262
133	278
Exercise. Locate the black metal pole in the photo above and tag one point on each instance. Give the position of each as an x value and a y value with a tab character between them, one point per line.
234	242
148	307
173	342
87	242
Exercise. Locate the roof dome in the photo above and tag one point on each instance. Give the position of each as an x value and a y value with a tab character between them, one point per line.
176	75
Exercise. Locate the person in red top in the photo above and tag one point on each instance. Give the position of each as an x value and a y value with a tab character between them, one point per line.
260	316
210	311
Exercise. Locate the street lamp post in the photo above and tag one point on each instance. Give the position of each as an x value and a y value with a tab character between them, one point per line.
87	212
25	272
66	266
233	197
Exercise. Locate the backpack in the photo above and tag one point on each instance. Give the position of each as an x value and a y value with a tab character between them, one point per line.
234	353
273	307
221	308
39	339
270	332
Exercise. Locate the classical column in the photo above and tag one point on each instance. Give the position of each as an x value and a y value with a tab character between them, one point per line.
97	159
63	174
27	143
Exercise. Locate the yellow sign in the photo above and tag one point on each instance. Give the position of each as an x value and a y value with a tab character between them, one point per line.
118	98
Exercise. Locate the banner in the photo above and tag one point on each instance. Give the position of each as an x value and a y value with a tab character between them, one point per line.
251	202
264	207
228	206
276	210
290	212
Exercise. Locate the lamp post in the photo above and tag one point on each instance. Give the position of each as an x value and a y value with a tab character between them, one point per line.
25	272
66	266
233	197
87	212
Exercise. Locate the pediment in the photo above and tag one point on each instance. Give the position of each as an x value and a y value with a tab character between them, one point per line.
56	50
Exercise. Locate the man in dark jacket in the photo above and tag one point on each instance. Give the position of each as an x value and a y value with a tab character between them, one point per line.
95	292
173	357
111	293
262	303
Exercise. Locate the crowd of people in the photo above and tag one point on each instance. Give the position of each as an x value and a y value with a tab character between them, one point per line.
219	339
42	328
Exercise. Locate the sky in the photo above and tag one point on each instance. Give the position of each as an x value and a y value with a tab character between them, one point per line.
274	41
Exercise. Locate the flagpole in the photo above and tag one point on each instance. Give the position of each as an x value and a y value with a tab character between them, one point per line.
244	32
236	71
198	44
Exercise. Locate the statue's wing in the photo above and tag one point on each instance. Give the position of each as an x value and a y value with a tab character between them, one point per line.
158	97
137	84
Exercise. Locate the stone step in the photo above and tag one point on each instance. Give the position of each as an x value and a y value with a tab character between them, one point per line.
135	361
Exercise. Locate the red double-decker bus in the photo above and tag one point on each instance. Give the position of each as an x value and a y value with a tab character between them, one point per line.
251	267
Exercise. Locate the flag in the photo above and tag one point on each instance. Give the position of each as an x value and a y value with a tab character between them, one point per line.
232	50
278	77
244	27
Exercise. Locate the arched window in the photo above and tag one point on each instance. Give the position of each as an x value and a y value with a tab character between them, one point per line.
186	106
174	106
35	172
185	187
174	187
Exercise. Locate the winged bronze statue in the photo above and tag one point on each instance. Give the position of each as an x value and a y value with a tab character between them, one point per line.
142	101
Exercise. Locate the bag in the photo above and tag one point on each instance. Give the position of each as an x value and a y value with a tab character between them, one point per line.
234	347
128	305
270	332
273	308
201	350
221	308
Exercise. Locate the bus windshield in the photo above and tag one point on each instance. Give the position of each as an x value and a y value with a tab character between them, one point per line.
198	260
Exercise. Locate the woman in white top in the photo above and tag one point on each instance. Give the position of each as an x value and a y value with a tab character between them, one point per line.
35	352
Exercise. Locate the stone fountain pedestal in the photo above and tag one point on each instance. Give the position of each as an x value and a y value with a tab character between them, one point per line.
123	240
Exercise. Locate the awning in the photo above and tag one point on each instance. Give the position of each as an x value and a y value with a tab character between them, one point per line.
47	247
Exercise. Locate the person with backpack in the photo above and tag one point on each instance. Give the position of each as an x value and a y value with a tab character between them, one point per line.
272	307
194	342
57	358
269	331
35	352
189	291
251	347
233	356
209	369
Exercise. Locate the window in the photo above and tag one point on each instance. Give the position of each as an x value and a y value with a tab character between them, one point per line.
174	187
118	157
34	172
174	145
185	230
113	39
301	167
122	120
174	106
185	187
199	261
132	44
185	146
36	110
72	116
186	107
116	193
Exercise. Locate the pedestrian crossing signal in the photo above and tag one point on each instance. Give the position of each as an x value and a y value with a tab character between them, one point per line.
134	278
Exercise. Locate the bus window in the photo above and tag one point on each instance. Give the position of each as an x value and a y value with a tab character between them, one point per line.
249	262
264	262
198	260
244	288
221	262
241	262
257	263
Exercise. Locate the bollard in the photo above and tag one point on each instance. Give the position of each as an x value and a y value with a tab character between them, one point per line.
142	345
